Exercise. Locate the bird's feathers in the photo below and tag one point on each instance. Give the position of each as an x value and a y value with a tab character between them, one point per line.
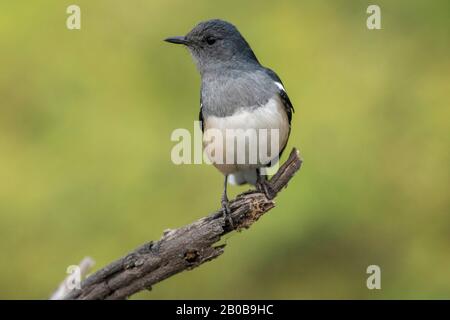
282	92
244	139
242	177
276	113
237	92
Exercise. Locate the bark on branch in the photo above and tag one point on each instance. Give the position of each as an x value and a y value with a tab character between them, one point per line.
181	249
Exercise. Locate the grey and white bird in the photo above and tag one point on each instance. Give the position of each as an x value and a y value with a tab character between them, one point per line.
237	92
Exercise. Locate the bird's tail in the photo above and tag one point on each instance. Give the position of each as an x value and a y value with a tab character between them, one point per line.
245	176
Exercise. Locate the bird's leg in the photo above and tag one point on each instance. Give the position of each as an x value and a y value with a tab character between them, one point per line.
225	203
263	185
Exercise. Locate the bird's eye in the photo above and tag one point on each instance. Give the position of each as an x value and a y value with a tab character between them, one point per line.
210	40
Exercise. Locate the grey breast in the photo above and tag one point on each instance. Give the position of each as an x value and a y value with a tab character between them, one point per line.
227	90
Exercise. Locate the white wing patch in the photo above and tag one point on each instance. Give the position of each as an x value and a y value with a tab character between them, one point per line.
280	86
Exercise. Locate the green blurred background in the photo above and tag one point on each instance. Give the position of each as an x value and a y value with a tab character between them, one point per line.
85	124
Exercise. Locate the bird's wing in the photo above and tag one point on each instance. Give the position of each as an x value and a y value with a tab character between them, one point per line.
282	93
200	114
288	107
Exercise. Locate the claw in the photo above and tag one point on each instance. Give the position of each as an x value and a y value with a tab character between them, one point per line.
227	213
265	187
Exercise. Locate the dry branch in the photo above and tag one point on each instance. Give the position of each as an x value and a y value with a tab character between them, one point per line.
63	289
181	249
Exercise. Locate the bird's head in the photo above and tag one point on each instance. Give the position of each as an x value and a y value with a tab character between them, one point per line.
214	43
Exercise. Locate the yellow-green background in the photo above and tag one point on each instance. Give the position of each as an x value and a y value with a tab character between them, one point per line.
85	124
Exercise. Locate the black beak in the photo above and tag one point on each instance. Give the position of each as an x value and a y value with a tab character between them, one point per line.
177	40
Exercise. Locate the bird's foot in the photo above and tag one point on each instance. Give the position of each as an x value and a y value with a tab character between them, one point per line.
265	187
227	213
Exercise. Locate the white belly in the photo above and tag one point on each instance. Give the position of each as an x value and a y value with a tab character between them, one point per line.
268	124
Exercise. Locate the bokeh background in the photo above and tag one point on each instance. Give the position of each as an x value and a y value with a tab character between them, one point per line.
85	124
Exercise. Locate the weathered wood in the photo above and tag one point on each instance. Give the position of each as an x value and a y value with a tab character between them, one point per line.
183	248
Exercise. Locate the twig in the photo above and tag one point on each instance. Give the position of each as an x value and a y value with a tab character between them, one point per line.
64	287
184	248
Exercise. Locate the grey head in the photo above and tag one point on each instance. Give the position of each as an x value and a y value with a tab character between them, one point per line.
216	43
232	77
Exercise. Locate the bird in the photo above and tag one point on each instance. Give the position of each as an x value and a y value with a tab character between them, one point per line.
237	92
